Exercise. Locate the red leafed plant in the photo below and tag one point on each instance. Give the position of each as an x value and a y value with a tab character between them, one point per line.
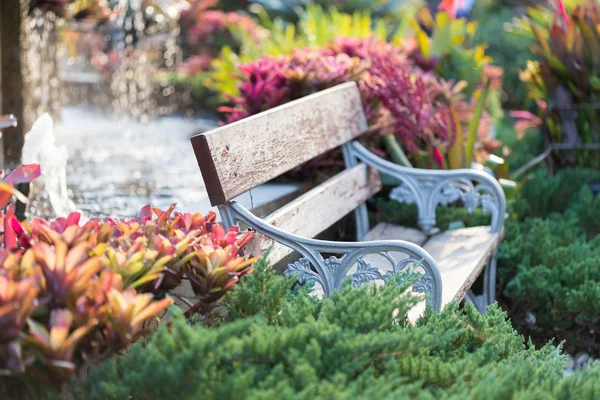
204	32
269	82
411	113
423	112
73	292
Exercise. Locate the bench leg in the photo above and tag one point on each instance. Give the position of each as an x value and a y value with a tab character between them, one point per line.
489	287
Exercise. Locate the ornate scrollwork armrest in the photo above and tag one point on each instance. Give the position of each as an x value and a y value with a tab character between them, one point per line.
330	271
357	263
430	188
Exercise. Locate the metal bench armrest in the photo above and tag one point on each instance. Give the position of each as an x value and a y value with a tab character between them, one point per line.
331	271
430	188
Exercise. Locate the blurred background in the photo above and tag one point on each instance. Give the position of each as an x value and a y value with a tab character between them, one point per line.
127	82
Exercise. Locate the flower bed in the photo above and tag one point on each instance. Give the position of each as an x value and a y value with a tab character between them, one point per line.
415	90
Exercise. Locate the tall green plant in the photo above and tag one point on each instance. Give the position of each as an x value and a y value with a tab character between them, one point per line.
449	47
566	80
392	10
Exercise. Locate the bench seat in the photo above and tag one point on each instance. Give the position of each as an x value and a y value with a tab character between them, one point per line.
243	155
460	255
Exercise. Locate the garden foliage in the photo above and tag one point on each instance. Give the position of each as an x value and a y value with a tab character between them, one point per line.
391	10
508	49
74	293
565	80
204	29
449	81
548	261
430	117
548	277
355	345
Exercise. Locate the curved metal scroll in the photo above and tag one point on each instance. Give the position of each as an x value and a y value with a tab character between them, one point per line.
331	271
428	188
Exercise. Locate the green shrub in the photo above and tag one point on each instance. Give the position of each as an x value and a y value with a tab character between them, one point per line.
406	215
544	194
354	345
548	262
522	150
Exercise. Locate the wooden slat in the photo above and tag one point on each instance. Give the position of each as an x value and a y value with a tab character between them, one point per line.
240	156
386	231
461	255
318	209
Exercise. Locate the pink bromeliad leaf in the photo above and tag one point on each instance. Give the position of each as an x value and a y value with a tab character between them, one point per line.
24	174
231	235
20	233
60	224
562	11
10	238
145	213
218	232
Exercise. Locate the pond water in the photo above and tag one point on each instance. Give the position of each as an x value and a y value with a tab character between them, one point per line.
115	167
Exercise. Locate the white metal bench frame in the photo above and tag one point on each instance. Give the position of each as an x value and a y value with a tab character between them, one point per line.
228	172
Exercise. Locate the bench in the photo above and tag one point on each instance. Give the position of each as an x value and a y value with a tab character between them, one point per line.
235	158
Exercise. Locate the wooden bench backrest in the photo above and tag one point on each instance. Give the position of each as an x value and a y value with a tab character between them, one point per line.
240	156
320	208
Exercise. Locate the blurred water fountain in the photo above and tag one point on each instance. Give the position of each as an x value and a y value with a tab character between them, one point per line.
115	166
40	147
117	64
145	39
112	162
41	65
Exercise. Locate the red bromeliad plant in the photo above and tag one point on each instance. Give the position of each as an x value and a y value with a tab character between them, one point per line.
430	117
73	291
410	112
270	82
61	295
204	32
216	264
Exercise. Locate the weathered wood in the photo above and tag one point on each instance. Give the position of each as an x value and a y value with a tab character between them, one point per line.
240	156
318	209
461	255
269	208
386	231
